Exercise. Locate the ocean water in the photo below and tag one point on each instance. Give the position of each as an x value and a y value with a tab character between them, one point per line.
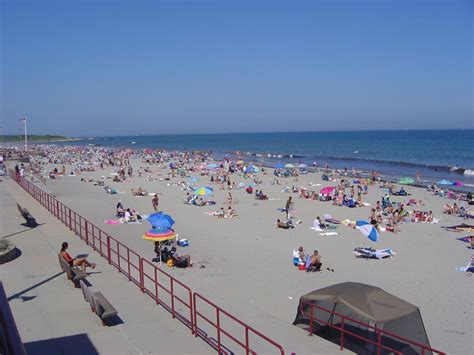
436	154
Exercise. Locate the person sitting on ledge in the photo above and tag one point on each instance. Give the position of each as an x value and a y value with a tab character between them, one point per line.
74	261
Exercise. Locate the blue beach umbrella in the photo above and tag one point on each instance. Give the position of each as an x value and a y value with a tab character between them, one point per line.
279	166
251	169
444	182
212	166
194	179
160	220
367	230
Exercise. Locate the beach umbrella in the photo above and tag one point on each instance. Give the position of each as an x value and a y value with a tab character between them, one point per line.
203	191
212	166
444	182
160	220
289	165
458	183
159	235
249	168
327	190
406	181
302	165
279	166
194	179
367	230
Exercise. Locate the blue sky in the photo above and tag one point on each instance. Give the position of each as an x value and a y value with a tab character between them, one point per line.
149	67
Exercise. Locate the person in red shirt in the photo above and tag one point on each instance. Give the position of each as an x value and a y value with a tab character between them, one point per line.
74	261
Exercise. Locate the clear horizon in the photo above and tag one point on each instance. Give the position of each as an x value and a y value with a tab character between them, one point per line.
128	68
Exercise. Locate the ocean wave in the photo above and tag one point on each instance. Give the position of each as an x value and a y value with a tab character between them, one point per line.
455	169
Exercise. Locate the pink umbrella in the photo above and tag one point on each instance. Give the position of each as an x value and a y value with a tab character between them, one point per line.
327	190
458	183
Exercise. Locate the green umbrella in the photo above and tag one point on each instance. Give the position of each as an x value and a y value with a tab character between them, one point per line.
406	181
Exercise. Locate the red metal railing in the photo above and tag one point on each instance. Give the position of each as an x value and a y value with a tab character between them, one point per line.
39	177
166	290
125	260
232	322
344	320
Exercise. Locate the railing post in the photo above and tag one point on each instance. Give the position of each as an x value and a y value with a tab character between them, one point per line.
70	220
87	234
191	312
378	341
128	262
142	278
108	249
195	316
247	340
311	321
57	209
218	331
172	298
118	258
342	333
156	285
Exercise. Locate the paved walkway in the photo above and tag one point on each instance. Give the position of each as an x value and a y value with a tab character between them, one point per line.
52	316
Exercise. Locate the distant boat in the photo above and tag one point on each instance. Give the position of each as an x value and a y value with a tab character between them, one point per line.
133	142
355	151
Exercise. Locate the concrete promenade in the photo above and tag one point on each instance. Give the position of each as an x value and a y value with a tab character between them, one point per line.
52	316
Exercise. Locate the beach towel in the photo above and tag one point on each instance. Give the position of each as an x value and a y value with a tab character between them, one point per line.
329	233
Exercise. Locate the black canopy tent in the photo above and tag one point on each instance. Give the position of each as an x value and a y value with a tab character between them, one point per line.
366	304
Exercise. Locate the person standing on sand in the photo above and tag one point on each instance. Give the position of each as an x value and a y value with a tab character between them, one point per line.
229	200
288	207
155	201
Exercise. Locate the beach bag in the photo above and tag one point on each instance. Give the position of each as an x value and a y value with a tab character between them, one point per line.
170	262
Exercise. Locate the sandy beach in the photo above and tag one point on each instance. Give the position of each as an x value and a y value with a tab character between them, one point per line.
245	263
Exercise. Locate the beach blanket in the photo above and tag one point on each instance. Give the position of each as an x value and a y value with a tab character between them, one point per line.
371	253
329	233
